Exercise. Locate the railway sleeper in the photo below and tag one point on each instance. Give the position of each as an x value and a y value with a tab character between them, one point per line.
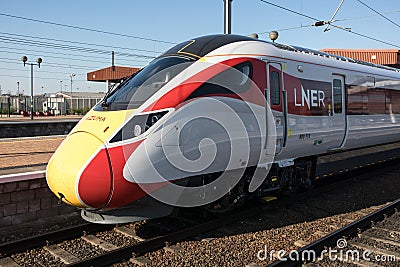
253	264
386	229
129	233
301	243
379	239
61	254
359	262
8	262
140	261
173	248
375	250
99	242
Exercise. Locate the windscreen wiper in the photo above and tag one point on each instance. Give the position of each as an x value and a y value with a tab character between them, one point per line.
104	101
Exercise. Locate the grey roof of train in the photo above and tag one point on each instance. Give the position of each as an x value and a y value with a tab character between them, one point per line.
332	56
201	46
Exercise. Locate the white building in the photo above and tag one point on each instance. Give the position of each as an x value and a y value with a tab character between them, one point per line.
71	103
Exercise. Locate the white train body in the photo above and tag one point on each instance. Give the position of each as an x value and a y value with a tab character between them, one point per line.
328	114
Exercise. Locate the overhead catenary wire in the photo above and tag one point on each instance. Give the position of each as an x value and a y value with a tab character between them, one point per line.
15	61
67	47
368	16
59	65
37	77
290	28
73	57
380	14
63	66
337	27
41	71
13	43
126	57
86	29
336	20
10	50
289	10
333	16
76	42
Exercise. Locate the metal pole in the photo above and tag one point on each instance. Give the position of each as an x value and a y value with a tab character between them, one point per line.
112	61
31	91
18	103
9	106
71	75
227	16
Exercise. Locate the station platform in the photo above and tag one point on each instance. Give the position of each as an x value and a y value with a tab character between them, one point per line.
20	118
18	155
40	126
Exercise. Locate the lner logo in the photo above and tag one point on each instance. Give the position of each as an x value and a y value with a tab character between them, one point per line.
311	98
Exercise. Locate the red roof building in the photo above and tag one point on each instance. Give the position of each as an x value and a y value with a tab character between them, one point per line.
111	74
387	57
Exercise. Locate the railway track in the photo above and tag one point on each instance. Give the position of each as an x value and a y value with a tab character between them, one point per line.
95	245
52	236
115	244
288	227
372	240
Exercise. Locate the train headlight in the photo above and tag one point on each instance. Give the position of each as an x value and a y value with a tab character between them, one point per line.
137	125
137	130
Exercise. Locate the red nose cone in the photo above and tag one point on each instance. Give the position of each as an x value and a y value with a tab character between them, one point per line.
80	171
95	183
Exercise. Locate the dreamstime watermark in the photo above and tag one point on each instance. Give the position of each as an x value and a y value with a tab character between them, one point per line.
230	129
332	254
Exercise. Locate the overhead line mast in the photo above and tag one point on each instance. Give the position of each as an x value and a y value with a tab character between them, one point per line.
227	16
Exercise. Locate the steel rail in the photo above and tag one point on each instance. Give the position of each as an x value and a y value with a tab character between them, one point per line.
159	242
152	244
155	243
346	231
24	244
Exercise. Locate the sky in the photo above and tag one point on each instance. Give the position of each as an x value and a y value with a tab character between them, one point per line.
77	37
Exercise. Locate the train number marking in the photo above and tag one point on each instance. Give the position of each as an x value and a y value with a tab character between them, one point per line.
304	136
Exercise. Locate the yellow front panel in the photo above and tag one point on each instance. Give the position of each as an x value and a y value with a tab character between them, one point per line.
102	124
80	146
67	163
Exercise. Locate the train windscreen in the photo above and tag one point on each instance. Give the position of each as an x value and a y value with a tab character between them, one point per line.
136	90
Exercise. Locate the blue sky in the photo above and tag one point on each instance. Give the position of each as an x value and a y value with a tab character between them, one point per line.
172	21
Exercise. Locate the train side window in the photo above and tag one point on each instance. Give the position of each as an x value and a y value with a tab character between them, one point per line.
275	86
337	95
395	102
376	101
232	81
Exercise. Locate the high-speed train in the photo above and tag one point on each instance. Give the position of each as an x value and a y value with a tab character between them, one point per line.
222	118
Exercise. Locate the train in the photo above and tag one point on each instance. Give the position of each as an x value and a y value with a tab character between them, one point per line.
219	119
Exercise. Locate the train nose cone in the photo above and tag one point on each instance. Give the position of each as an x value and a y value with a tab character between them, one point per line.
79	171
